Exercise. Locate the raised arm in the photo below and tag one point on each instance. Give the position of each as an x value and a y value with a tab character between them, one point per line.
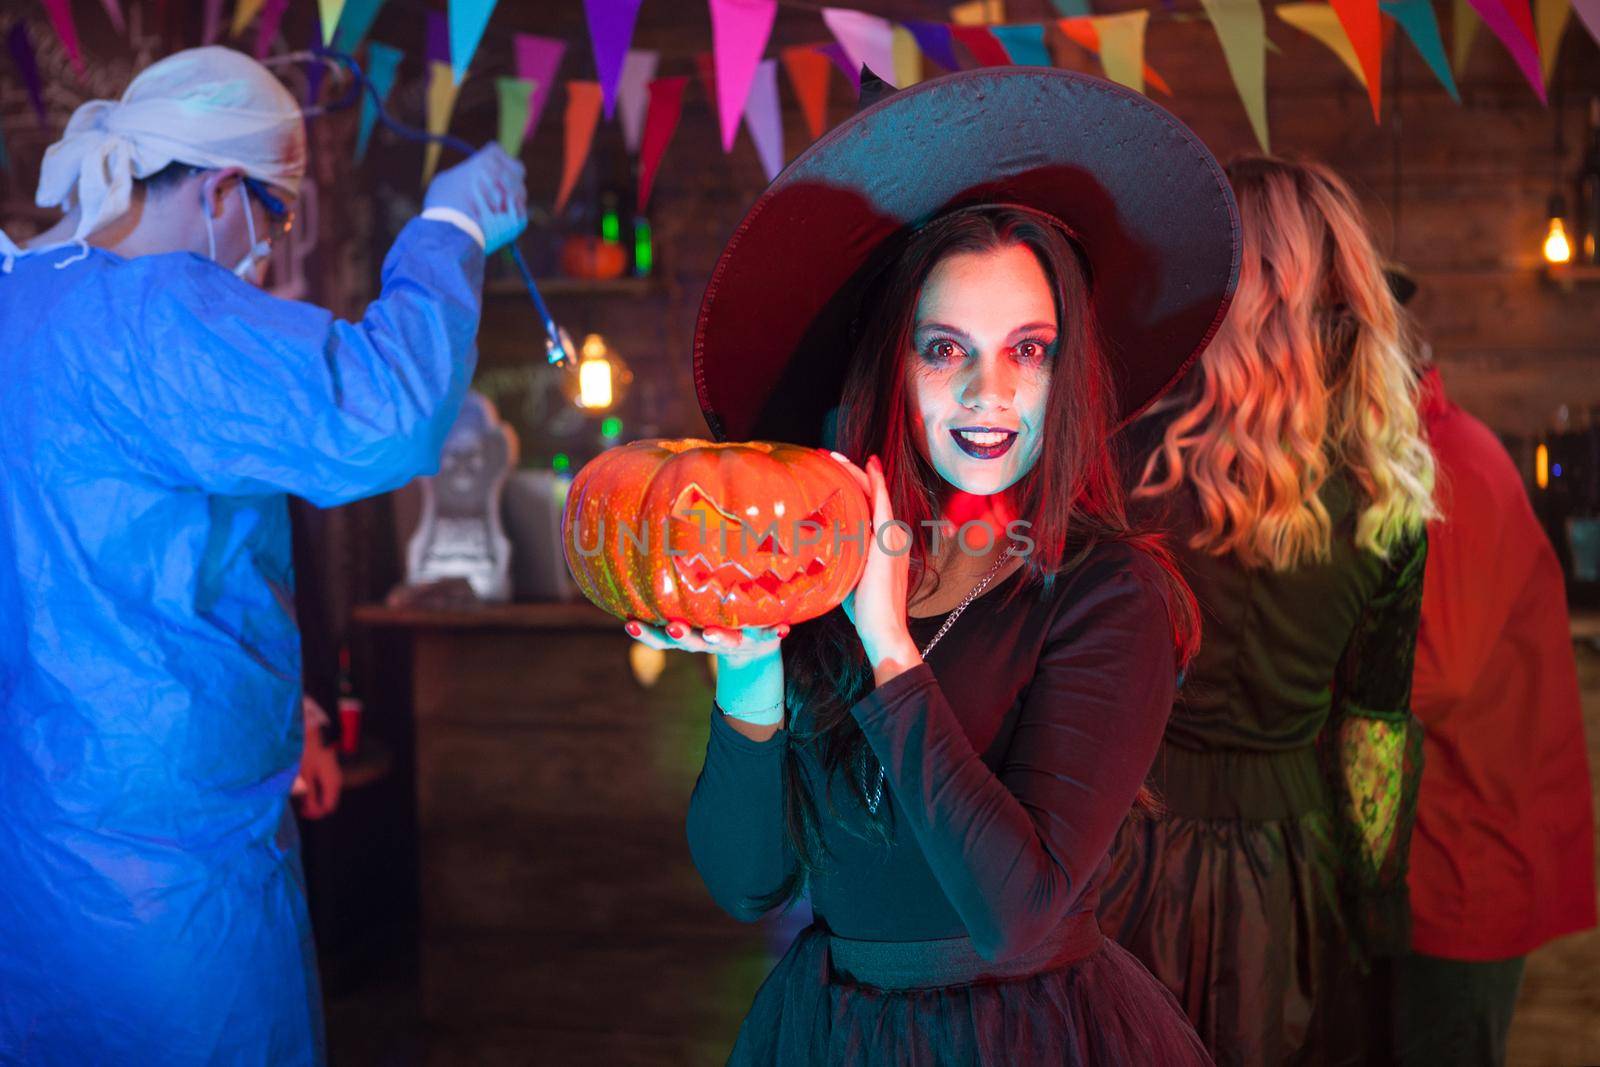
1014	851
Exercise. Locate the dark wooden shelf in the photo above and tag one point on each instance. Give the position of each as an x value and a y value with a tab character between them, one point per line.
636	287
551	616
1570	275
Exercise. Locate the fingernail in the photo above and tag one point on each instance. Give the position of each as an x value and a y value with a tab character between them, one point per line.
840	456
633	629
676	629
713	638
783	629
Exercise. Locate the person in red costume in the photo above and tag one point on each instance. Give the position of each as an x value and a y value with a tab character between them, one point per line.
1502	856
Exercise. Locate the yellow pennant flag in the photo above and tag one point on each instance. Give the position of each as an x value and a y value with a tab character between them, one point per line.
1241	28
1122	47
907	58
979	13
1322	22
245	12
441	102
329	11
1464	25
1551	17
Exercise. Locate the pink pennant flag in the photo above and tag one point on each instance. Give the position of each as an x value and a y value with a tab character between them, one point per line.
1512	22
739	32
633	93
1589	14
867	39
610	30
764	117
114	13
267	28
660	123
537	61
213	23
60	12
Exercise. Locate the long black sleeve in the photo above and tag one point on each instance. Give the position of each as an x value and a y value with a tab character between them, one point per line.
1014	851
735	825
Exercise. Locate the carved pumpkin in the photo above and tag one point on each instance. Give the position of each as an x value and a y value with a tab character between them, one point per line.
740	534
592	258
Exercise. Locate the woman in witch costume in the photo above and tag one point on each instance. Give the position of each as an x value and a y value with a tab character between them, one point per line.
964	288
1291	472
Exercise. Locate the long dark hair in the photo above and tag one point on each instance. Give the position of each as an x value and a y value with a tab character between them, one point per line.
1072	497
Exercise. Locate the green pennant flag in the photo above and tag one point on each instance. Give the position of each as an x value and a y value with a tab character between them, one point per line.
1242	30
515	95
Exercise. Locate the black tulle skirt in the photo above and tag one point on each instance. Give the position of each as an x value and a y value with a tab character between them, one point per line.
1237	913
1102	1009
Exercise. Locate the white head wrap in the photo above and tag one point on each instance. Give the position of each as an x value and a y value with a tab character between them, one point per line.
207	107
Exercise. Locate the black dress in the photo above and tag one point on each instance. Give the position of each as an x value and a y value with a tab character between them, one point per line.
1289	772
1012	757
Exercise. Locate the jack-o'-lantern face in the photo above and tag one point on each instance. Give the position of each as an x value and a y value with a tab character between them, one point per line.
749	534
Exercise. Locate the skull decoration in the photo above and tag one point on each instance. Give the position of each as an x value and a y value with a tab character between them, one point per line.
738	534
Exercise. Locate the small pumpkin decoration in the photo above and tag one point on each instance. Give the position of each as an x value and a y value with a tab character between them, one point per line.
592	258
716	534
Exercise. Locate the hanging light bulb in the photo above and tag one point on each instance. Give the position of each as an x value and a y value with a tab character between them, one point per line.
647	663
601	376
1541	467
1557	248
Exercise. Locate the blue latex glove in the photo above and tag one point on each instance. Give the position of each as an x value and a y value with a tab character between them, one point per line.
491	189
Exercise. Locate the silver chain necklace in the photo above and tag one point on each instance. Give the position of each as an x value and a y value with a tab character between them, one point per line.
876	796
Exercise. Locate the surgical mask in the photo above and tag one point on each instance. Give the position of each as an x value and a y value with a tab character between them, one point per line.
259	249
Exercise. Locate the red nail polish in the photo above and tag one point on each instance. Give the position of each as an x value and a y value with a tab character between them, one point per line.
783	629
633	629
676	630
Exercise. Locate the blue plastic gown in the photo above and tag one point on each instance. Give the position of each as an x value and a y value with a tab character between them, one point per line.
154	412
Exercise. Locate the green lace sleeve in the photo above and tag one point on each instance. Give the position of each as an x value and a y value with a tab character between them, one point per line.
1373	754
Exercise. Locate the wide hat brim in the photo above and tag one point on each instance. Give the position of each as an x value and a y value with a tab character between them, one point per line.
1148	205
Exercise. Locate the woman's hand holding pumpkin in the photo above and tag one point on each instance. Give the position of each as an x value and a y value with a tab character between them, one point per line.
877	605
749	665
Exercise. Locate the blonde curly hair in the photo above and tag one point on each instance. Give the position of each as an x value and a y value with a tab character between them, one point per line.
1311	372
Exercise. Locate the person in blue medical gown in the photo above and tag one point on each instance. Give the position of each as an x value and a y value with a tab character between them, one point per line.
155	409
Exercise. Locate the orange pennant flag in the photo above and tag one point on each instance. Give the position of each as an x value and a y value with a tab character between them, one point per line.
808	72
1363	26
1081	30
583	112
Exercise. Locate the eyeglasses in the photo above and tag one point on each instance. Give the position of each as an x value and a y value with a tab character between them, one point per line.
280	217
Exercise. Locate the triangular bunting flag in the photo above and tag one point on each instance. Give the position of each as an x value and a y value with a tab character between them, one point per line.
114	13
739	32
907	58
978	13
60	12
315	72
468	20
1023	44
1589	14
1073	8
20	46
211	24
514	94
934	40
1416	17
1122	47
1364	27
660	122
985	48
610	31
244	12
329	12
441	102
764	118
808	77
436	46
1242	30
383	61
355	24
1085	32
867	39
267	27
1512	22
1464	23
583	112
538	58
1320	21
633	94
836	54
1551	17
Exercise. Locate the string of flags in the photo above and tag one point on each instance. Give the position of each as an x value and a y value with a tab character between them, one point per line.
742	82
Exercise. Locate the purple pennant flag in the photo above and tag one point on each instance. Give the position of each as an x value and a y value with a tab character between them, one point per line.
610	31
764	118
835	52
934	40
315	71
212	30
537	61
21	48
438	49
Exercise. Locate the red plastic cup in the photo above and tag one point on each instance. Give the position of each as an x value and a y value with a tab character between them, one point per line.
349	725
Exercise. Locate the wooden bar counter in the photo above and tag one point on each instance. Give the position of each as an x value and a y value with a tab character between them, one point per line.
561	918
